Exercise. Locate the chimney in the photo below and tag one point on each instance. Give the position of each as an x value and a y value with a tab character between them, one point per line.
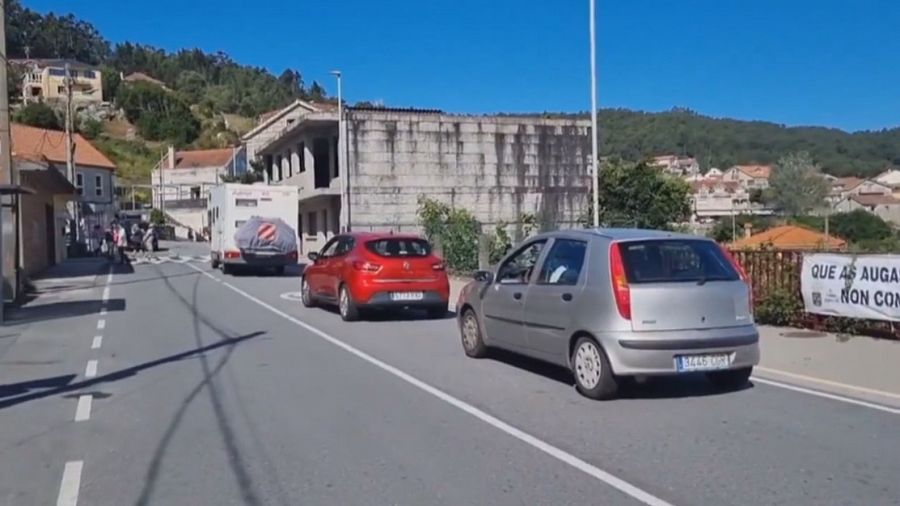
748	229
171	157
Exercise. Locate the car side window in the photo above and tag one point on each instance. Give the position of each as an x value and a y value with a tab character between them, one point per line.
517	269
564	263
345	244
330	248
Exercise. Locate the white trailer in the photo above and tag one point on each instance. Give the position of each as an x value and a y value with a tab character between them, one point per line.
231	205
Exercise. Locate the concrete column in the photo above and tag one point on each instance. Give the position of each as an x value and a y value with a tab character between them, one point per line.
286	165
295	159
276	169
309	175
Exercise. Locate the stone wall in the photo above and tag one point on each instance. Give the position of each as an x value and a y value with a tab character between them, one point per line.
496	167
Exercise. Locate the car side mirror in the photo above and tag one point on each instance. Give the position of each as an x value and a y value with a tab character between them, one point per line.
313	256
484	276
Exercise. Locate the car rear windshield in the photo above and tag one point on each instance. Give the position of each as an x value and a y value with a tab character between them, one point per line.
675	260
399	247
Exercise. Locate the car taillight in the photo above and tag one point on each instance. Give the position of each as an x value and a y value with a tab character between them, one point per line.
366	266
232	254
621	290
438	266
741	273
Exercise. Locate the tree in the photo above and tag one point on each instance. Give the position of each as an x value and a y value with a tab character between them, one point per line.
157	113
110	80
39	115
638	195
796	185
91	128
192	85
317	92
859	225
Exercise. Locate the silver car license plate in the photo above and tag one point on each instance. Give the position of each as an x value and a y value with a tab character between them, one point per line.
705	362
407	296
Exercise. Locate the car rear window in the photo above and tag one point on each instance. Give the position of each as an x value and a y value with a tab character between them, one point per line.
675	260
399	247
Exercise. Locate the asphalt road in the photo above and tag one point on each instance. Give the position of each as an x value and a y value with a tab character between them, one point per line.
223	390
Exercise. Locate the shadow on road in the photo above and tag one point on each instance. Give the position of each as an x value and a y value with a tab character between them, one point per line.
58	385
56	310
658	387
25	387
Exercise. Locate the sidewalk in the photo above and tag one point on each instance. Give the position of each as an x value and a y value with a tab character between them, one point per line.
60	292
867	368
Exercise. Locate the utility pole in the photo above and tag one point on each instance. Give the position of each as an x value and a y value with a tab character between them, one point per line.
344	216
595	134
70	157
5	147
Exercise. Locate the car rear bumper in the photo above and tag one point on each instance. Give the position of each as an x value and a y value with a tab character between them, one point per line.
251	260
384	300
653	353
378	293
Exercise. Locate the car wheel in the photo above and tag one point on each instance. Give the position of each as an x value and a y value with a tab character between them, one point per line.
227	269
213	262
305	296
348	309
594	377
437	312
730	380
472	338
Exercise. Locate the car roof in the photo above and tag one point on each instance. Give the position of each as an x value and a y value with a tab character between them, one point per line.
620	234
369	236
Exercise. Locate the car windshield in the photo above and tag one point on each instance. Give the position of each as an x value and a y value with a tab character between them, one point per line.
680	260
399	247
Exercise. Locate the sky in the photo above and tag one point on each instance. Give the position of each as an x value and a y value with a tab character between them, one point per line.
833	63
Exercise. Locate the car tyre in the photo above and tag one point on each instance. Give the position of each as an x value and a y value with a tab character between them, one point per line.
346	305
730	380
594	376
213	262
471	335
306	298
227	269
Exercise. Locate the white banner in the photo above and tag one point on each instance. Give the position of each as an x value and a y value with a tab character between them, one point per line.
855	286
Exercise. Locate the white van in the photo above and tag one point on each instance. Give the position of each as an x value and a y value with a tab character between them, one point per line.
231	206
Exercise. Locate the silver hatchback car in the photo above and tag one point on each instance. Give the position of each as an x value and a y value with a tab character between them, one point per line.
612	303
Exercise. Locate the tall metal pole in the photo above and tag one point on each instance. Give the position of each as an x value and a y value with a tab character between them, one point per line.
5	147
342	162
595	133
70	155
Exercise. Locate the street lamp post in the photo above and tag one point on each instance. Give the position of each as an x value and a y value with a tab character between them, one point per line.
595	133
342	163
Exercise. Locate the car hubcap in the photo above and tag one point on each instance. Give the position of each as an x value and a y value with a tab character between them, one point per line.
470	332
587	365
345	303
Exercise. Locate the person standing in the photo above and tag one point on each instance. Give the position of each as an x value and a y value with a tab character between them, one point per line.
122	244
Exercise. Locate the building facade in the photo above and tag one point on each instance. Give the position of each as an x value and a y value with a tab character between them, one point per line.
45	79
498	168
682	166
749	176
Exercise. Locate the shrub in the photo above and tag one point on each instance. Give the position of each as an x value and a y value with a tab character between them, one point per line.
781	307
456	230
157	217
91	128
39	115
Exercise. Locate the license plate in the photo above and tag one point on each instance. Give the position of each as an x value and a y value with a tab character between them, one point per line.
407	296
264	253
710	362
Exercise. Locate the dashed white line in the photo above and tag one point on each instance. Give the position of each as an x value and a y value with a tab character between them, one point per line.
91	370
83	410
71	482
97	342
539	444
106	294
101	324
104	311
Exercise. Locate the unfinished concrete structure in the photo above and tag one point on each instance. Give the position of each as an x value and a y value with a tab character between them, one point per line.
497	167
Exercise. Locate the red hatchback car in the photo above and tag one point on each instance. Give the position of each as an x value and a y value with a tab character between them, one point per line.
360	271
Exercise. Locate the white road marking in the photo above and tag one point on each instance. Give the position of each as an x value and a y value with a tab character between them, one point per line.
106	294
91	370
841	398
292	296
83	410
101	324
104	311
539	444
97	342
813	379
71	482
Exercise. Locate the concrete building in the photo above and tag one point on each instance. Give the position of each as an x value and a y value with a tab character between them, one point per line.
273	123
682	166
749	176
44	79
885	206
843	187
496	167
43	214
181	182
714	198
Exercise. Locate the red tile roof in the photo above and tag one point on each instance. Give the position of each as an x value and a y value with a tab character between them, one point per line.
789	237
875	199
847	183
140	76
755	171
31	142
729	186
203	158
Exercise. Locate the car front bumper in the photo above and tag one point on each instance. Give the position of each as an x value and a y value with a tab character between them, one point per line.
654	353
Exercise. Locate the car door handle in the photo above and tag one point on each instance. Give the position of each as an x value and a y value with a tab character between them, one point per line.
567	297
517	295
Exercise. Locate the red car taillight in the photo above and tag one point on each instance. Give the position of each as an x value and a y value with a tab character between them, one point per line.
366	266
438	266
621	290
232	254
741	272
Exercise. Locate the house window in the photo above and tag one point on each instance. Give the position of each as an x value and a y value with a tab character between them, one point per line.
311	223
89	74
98	186
57	72
61	90
79	183
302	150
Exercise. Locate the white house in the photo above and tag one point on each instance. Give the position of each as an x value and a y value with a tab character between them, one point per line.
749	176
684	166
885	206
